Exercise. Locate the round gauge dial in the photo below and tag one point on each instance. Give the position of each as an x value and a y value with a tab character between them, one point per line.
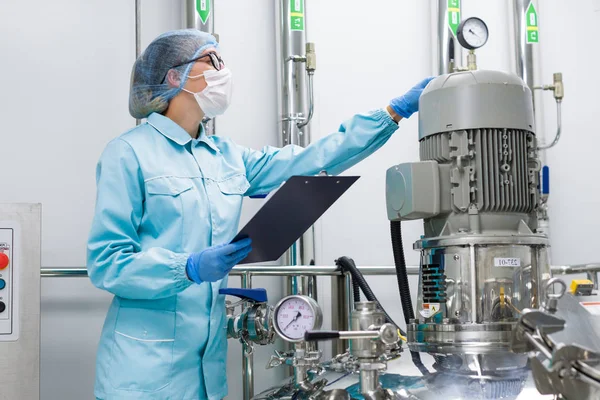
472	33
295	315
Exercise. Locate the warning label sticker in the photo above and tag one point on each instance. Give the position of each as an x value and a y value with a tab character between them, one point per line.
429	309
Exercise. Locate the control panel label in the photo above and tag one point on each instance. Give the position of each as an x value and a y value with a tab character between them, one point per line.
507	262
429	309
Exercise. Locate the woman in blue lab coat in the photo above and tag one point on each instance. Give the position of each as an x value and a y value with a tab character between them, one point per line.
168	202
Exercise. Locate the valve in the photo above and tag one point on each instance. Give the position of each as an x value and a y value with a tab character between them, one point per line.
253	325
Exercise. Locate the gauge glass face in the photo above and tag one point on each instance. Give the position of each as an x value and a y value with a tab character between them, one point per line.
294	317
475	33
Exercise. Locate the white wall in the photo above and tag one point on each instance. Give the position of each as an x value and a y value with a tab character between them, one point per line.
66	65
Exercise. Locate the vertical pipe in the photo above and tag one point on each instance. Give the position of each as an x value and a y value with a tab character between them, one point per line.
449	51
474	284
292	99
349	300
340	310
200	14
138	35
369	381
247	360
526	58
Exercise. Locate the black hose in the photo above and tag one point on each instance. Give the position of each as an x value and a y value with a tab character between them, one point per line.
347	264
403	287
355	291
401	273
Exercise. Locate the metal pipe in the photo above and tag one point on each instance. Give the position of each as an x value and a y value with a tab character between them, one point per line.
448	56
591	270
291	73
369	380
558	128
247	359
200	14
339	314
293	55
311	107
526	57
138	36
296	270
474	285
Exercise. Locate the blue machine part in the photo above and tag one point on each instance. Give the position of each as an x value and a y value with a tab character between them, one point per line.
546	180
254	295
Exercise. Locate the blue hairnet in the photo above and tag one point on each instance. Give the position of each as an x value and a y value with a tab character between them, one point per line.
149	90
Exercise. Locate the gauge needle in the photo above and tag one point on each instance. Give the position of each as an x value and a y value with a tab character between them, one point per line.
298	315
471	30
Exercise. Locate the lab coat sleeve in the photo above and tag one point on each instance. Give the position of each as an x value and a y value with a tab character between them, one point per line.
115	260
355	140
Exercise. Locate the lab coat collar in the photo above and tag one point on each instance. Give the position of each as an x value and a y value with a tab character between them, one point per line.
171	130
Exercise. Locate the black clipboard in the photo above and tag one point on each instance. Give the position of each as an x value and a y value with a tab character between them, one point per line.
294	208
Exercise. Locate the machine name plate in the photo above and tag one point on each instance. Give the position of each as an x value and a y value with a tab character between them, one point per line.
507	262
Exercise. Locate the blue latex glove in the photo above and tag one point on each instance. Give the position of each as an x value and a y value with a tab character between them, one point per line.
408	104
215	262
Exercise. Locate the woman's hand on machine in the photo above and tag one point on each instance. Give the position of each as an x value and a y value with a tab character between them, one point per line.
408	104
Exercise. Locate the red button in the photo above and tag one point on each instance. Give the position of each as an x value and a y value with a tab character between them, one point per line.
3	261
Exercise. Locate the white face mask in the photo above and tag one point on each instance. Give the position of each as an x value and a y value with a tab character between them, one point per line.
215	98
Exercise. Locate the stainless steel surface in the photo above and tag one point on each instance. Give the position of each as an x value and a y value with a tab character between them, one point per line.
291	77
247	359
479	302
369	381
449	52
193	20
466	240
401	374
20	359
562	340
365	317
341	307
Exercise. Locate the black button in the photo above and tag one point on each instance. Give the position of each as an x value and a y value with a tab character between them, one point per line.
2	307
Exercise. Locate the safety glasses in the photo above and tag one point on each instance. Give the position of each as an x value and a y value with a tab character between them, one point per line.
215	60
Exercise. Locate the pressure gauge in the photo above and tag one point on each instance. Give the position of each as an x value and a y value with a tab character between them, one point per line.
294	315
472	33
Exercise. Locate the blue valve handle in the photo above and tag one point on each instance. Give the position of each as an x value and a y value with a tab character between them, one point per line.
253	295
259	196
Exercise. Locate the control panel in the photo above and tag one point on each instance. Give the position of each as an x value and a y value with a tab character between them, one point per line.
20	259
9	283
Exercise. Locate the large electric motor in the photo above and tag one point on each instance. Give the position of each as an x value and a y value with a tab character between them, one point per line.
476	187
